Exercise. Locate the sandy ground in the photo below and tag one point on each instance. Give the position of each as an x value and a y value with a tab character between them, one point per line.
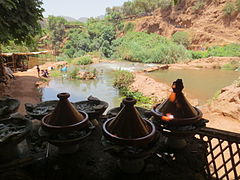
24	87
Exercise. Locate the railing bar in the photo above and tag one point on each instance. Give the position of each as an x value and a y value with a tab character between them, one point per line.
223	158
229	172
219	154
214	164
207	166
232	159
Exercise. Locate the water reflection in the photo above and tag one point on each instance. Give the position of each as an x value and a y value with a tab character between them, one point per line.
200	84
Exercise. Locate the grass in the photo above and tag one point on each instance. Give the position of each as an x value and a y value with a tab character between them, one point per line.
83	60
233	65
123	79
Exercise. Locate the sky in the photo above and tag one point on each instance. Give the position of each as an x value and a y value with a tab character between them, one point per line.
78	8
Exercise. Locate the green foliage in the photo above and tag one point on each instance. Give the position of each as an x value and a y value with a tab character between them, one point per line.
11	46
55	73
97	36
73	73
140	7
146	48
199	54
231	50
19	20
198	5
56	25
165	4
237	4
182	38
84	60
142	101
123	79
228	9
128	27
233	65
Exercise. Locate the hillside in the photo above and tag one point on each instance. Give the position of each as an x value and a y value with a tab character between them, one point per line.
206	22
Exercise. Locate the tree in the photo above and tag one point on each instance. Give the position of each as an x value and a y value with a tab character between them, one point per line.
57	27
19	19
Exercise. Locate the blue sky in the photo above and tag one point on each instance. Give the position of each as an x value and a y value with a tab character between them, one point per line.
78	8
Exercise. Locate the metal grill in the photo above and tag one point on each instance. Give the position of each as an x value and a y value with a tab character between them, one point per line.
223	153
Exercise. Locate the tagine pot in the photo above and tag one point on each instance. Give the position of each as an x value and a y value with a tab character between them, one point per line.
176	118
65	127
134	136
65	117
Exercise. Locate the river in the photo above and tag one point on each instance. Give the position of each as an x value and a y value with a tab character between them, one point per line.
199	84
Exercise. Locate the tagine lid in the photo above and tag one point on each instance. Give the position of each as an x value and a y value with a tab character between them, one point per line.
128	122
65	113
177	107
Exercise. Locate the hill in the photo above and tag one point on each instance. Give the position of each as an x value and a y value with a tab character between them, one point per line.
204	20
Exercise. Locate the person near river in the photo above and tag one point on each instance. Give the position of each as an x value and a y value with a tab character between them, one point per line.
38	70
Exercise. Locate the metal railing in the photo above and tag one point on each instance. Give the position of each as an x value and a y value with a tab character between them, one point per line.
223	155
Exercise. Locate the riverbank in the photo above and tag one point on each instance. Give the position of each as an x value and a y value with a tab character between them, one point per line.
24	87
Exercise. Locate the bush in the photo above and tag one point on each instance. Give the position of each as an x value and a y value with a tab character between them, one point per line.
231	50
84	60
198	5
128	27
123	79
182	38
166	4
233	65
237	4
146	48
228	9
55	73
73	73
142	101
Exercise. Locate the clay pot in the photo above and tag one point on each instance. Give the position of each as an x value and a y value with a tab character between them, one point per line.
176	110
65	117
128	128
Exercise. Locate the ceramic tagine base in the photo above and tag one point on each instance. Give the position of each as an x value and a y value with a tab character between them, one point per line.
175	143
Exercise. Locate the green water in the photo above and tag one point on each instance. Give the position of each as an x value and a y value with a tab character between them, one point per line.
199	84
101	87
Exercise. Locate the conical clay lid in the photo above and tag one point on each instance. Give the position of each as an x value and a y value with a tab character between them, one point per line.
65	113
177	106
128	122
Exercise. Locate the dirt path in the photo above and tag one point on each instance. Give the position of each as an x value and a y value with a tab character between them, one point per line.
24	87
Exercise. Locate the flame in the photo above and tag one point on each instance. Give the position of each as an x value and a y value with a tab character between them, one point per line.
172	97
168	117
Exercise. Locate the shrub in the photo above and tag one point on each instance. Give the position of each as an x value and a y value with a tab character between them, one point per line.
123	79
182	38
233	65
142	101
198	5
73	73
230	50
84	60
166	4
55	73
228	9
128	27
237	4
146	48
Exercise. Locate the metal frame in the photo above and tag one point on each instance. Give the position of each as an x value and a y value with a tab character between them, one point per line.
223	155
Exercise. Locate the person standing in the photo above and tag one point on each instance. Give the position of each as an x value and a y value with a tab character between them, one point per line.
38	70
